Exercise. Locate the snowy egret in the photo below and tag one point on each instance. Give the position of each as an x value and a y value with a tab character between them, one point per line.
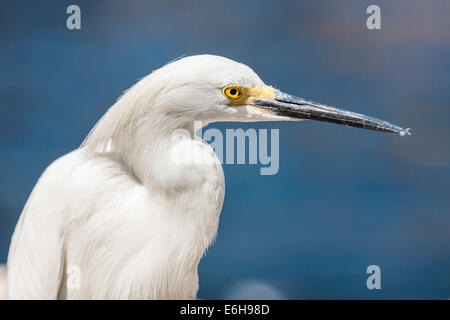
118	214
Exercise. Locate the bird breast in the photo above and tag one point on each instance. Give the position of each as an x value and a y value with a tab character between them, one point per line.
135	239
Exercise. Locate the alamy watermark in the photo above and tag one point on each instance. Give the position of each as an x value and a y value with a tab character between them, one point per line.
73	22
231	148
373	22
374	280
73	274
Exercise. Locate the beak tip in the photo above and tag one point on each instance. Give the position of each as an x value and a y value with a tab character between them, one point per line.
405	132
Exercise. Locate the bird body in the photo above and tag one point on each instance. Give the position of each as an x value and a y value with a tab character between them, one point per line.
120	244
123	213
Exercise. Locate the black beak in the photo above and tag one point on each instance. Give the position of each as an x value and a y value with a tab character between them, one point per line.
289	106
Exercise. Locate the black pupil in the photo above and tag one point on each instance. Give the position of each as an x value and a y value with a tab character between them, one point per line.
233	92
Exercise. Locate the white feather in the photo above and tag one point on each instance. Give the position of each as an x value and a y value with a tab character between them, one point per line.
2	282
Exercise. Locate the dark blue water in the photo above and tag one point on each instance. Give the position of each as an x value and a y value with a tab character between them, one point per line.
343	199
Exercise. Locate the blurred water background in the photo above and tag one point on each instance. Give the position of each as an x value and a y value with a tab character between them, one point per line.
343	199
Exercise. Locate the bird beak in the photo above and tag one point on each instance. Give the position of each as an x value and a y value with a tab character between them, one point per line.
287	105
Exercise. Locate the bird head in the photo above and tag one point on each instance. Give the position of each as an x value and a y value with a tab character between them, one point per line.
212	88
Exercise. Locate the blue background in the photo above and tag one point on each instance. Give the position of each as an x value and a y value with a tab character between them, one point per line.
343	199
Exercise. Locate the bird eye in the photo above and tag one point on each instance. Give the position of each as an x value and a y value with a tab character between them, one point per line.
232	92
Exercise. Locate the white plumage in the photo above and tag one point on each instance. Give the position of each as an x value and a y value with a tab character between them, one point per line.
2	282
119	208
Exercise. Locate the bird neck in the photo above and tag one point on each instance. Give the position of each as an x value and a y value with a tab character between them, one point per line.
144	143
151	154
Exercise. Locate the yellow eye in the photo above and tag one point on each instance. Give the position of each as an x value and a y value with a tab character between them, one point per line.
232	92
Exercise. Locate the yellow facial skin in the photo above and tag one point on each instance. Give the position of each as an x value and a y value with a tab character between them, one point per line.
240	96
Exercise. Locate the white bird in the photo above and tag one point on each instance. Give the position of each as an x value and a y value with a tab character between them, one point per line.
119	212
